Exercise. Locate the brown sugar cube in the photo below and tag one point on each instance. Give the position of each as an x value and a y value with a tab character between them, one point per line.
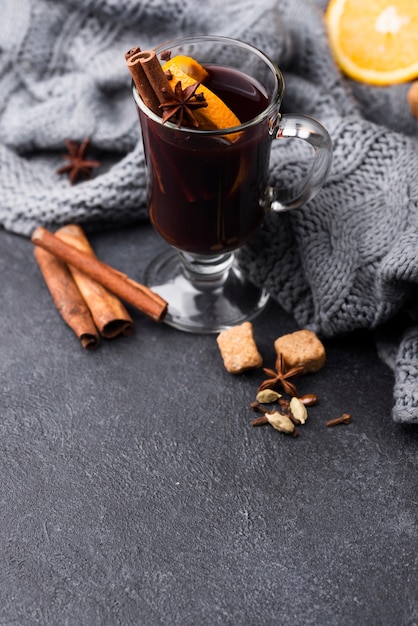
238	348
301	348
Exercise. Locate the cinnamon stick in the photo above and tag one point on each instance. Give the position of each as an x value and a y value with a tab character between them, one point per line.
155	74
150	80
67	298
145	90
108	312
131	52
118	283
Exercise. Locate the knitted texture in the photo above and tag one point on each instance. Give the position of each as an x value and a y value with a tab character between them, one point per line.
346	260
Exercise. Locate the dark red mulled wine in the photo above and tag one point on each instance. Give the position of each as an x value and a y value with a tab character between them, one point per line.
205	191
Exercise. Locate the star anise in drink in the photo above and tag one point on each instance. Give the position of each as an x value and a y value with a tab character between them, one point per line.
78	165
182	105
281	375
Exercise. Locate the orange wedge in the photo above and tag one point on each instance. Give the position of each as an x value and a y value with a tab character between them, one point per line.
375	41
189	66
189	71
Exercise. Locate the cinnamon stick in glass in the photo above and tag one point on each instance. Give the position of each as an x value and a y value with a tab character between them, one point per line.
145	90
108	312
150	80
139	296
67	298
156	76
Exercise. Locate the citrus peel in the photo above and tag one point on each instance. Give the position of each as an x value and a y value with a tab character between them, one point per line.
188	71
374	42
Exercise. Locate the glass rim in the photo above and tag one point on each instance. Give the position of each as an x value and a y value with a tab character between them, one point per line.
267	112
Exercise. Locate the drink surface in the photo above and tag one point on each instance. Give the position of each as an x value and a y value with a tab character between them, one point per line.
205	192
242	94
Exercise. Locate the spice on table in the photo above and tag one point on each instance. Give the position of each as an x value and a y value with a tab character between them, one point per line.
260	421
257	407
108	312
345	418
139	296
309	399
298	410
267	396
67	298
78	166
281	422
281	375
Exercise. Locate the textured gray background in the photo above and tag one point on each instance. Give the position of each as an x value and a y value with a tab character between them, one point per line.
135	491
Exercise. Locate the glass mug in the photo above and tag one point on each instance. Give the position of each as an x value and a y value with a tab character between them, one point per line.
207	190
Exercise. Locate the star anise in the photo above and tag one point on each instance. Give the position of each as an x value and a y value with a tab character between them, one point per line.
78	166
182	105
281	375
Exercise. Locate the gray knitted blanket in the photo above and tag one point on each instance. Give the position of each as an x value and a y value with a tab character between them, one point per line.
347	260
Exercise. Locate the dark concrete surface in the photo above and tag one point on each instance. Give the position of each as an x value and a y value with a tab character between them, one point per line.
134	489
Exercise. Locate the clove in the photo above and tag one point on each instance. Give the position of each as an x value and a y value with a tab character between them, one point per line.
345	418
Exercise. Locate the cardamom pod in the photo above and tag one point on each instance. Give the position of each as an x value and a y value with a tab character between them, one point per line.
299	410
268	395
281	422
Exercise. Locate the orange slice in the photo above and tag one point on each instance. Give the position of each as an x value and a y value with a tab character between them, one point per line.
189	71
375	41
189	66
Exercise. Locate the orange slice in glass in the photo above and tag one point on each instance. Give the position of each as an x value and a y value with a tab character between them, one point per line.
375	41
217	114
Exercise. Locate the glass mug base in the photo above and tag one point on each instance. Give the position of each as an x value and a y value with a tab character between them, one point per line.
204	301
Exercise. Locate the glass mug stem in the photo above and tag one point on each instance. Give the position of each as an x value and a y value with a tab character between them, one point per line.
206	272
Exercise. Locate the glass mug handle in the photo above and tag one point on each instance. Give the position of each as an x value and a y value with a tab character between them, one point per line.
311	131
